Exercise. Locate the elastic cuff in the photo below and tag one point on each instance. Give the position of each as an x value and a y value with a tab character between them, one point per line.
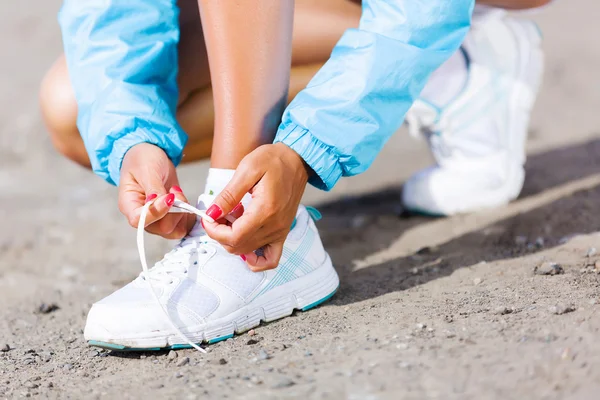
319	156
122	145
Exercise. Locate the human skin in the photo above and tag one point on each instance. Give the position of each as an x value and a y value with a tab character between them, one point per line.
249	47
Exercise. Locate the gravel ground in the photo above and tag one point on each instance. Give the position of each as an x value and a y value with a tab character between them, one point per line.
495	305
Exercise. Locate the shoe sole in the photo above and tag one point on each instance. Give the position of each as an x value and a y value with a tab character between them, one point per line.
521	103
301	294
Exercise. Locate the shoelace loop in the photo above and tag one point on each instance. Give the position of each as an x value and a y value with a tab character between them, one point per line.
161	274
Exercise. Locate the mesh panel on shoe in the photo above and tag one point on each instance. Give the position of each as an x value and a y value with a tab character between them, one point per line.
235	275
201	300
132	292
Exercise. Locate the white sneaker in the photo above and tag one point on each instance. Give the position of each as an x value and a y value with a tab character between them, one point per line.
478	139
210	294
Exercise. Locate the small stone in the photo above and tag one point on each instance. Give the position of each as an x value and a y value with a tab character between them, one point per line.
450	334
251	332
184	361
307	353
566	354
420	326
591	252
548	268
178	375
520	240
251	342
50	384
424	251
449	319
143	357
283	383
222	361
561	309
47	308
539	242
263	355
68	367
502	310
31	385
5	348
172	355
28	361
256	380
414	270
93	353
477	281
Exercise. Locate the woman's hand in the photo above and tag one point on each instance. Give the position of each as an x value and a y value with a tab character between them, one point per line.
276	177
148	174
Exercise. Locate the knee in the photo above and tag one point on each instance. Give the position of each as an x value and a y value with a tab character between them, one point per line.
59	110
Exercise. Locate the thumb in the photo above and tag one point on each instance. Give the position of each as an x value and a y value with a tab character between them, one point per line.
242	182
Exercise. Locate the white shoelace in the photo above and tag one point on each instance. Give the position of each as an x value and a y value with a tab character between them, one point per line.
176	260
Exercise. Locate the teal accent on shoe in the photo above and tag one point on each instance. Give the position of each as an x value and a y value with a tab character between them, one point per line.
118	347
314	213
181	346
294	224
219	339
318	302
105	345
424	213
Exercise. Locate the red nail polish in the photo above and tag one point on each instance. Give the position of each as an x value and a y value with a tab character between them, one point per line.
170	199
214	212
236	208
151	197
243	257
176	188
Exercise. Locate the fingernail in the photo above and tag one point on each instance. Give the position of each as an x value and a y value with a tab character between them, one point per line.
176	188
243	257
170	199
151	197
214	212
236	208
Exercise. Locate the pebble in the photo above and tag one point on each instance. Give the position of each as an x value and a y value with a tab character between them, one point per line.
520	240
307	353
251	342
31	385
591	252
28	361
420	326
172	355
548	268
283	383
184	361
251	332
477	281
256	380
178	375
93	353
5	348
502	310
68	367
560	309
263	355
222	361
47	308
539	242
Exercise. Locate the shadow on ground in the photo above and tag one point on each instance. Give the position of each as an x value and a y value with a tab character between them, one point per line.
353	228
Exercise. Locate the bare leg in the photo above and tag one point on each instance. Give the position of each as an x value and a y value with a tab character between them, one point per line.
317	27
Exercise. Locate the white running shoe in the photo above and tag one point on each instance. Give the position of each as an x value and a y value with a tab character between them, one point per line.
478	139
210	294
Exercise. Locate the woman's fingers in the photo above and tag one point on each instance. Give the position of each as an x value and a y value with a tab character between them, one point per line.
266	258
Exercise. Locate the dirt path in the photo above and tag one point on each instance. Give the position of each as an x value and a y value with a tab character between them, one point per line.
428	308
